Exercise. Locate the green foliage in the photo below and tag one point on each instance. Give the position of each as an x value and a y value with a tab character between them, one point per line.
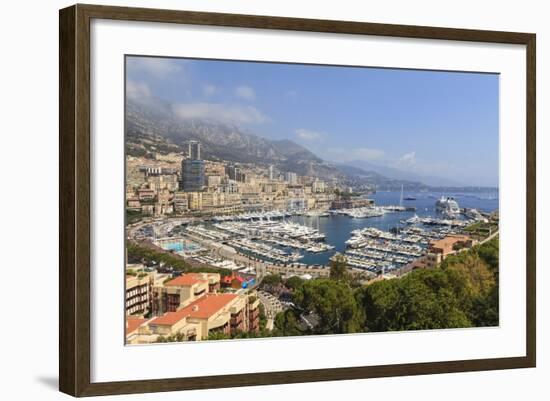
480	269
172	338
294	282
339	268
475	271
218	335
262	317
133	216
462	293
287	323
489	252
424	299
478	265
272	279
252	334
485	309
333	302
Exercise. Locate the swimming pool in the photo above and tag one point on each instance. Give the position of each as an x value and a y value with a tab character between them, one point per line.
180	246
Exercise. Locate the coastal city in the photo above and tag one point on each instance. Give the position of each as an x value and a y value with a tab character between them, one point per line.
219	249
284	200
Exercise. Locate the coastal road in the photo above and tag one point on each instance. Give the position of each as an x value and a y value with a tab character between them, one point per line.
489	238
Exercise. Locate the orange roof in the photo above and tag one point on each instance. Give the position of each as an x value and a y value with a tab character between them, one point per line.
229	279
449	241
202	308
186	280
133	322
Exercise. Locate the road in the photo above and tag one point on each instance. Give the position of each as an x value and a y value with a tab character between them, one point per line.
489	238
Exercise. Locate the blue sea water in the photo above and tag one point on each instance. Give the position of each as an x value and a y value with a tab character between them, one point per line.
337	228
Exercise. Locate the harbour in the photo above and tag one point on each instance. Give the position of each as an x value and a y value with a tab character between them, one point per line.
388	235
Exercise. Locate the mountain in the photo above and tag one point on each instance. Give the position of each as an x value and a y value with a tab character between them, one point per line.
152	126
146	121
397	174
380	181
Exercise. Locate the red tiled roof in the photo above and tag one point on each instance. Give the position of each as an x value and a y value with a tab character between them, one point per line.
202	308
133	322
186	280
229	279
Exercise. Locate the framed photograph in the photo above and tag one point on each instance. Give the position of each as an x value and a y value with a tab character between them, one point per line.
250	200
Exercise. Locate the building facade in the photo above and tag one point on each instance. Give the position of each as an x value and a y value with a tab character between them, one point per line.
193	175
138	293
190	307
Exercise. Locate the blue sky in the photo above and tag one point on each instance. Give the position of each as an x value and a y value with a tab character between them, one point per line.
428	122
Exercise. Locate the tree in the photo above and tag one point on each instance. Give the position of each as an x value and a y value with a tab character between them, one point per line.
485	310
218	335
262	317
489	252
272	279
424	299
339	267
287	323
480	269
294	282
172	338
474	270
333	302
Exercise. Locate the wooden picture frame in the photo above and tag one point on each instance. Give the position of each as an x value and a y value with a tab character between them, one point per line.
74	199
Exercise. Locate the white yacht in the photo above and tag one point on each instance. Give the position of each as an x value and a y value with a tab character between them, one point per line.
413	220
447	206
474	214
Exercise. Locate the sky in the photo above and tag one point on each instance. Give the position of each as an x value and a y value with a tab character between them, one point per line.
435	123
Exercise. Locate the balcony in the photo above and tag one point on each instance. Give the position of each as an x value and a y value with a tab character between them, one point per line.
219	321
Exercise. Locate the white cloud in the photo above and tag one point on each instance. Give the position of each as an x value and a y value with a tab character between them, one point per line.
308	135
245	92
406	160
137	90
227	113
157	67
209	89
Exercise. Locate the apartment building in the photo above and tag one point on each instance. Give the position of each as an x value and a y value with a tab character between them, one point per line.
209	313
179	292
138	292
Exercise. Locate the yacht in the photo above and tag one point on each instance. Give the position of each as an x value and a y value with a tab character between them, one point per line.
447	206
474	214
413	220
314	213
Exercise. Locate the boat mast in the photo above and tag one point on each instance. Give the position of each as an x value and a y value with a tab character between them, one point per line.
401	198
